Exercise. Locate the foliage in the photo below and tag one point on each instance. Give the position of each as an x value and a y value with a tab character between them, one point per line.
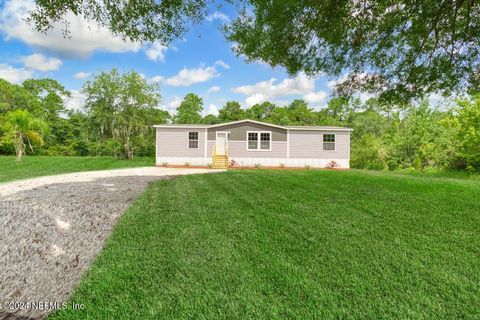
189	111
121	107
210	119
153	21
466	122
396	49
232	111
22	129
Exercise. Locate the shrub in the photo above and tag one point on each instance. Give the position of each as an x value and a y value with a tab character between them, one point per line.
187	164
307	167
164	164
392	165
282	165
332	164
257	165
233	163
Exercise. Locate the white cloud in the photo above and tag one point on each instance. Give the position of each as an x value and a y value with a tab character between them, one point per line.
315	96
213	89
255	98
82	75
218	16
172	105
186	77
86	37
15	75
211	109
76	101
299	85
40	62
222	64
265	90
157	79
156	52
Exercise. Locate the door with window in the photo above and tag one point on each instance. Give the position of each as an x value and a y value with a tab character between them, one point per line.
221	142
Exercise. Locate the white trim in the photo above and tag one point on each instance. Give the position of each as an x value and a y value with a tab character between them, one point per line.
288	143
185	126
226	139
334	143
266	162
259	141
320	129
246	120
188	139
205	144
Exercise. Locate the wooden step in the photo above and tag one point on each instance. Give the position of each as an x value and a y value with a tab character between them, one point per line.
220	162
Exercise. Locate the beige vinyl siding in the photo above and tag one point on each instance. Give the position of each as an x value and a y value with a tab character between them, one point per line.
238	131
173	142
309	144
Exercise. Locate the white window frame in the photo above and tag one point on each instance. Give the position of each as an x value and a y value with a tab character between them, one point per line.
334	142
259	141
198	139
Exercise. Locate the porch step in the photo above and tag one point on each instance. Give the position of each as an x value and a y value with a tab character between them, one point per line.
220	162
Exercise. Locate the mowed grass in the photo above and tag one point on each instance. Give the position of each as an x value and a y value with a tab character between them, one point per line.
293	245
30	167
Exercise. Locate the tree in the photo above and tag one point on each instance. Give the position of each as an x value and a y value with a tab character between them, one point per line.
210	119
300	113
153	21
396	48
232	111
50	93
15	96
120	107
260	111
465	120
189	111
279	116
21	129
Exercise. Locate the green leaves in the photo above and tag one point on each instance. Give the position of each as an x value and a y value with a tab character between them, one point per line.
21	128
396	49
189	111
121	107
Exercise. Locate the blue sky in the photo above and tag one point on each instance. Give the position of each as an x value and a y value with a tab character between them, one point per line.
202	62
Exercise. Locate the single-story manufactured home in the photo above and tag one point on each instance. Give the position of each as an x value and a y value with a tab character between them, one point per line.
252	143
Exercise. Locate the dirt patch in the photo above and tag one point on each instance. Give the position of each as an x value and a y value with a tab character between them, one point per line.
52	233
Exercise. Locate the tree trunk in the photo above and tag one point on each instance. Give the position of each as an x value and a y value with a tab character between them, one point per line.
128	152
20	146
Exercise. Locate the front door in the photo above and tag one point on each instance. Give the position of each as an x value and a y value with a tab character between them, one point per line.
221	142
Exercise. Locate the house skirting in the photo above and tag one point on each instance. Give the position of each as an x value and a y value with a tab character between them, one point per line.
267	162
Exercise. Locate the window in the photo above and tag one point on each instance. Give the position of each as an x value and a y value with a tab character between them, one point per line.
328	142
265	140
252	140
259	141
193	140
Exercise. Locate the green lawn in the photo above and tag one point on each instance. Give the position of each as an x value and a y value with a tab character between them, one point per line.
294	245
41	166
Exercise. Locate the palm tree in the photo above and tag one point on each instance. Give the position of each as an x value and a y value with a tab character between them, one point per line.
24	129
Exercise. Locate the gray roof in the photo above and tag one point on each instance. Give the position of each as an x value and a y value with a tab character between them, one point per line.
314	127
183	125
254	121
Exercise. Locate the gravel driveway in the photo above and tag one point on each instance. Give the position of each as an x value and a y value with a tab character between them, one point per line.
53	227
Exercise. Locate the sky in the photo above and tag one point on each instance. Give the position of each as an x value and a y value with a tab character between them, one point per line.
202	62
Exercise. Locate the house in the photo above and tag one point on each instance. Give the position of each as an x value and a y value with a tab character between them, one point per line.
252	143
